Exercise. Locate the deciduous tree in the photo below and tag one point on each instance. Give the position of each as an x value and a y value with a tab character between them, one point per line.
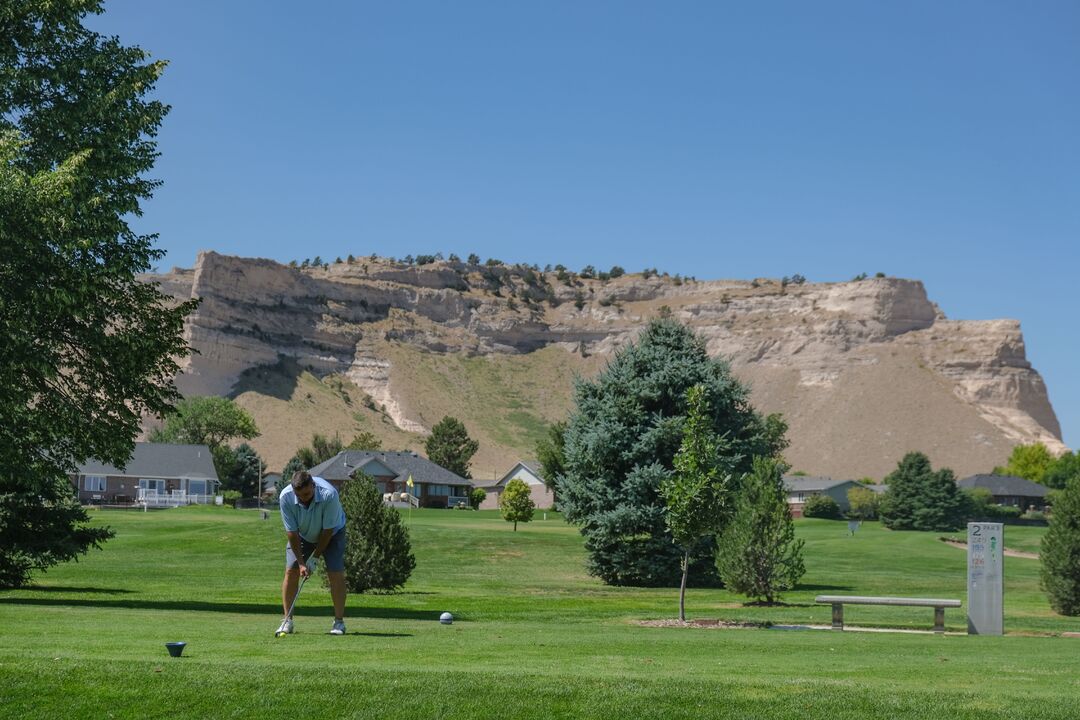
516	503
88	349
698	495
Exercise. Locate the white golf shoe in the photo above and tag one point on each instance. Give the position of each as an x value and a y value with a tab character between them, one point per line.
285	626
338	628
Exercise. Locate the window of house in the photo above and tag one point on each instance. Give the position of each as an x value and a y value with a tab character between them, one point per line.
152	484
197	487
93	483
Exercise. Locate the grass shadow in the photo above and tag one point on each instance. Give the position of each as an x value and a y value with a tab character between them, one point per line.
380	635
77	589
375	613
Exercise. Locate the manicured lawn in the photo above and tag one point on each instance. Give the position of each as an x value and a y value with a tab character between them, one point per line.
534	637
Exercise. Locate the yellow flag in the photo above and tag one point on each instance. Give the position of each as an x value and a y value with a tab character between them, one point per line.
409	482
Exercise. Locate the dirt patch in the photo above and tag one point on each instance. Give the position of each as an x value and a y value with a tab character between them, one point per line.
1008	552
709	624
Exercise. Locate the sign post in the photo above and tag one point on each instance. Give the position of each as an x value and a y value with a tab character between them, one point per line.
986	573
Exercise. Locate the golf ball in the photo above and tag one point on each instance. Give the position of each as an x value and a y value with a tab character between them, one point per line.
446	618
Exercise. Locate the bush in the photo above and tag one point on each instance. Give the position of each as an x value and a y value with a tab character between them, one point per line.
476	497
378	555
1060	552
863	504
231	496
821	506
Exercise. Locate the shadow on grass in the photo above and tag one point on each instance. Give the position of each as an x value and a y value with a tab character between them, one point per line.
381	635
246	608
77	589
812	586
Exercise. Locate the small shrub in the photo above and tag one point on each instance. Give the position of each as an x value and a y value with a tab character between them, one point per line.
231	496
821	506
378	555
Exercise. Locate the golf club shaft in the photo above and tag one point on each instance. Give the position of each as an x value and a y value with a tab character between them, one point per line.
297	595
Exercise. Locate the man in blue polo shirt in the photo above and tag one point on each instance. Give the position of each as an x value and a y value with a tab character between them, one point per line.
315	527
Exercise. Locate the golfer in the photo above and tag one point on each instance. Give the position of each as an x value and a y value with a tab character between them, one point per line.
315	526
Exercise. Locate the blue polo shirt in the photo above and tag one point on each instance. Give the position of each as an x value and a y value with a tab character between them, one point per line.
324	512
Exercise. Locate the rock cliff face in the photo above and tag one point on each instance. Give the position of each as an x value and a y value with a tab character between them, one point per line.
864	371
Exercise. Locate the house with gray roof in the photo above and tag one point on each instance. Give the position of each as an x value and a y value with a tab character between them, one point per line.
529	473
158	470
432	486
801	487
1010	490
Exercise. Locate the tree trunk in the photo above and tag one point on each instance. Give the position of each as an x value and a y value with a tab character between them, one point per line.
515	526
682	587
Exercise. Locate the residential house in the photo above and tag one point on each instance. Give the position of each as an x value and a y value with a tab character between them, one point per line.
541	494
433	485
801	487
161	473
1010	490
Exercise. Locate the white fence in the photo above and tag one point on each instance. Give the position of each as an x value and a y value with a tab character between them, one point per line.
175	498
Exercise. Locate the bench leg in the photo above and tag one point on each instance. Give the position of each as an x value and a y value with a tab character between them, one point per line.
837	616
939	619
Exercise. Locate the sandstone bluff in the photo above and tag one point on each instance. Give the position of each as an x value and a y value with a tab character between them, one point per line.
863	371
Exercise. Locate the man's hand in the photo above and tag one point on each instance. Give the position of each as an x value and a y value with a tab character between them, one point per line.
308	568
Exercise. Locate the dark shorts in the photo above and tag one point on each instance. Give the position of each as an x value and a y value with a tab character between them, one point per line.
333	556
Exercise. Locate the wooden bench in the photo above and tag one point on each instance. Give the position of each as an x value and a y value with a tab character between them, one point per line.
838	602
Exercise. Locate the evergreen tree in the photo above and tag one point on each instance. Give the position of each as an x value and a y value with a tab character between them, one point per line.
697	496
449	445
1060	552
515	502
550	454
919	498
378	554
88	349
365	440
621	442
245	474
757	554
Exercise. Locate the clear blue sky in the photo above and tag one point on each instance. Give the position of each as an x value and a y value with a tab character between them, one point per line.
932	140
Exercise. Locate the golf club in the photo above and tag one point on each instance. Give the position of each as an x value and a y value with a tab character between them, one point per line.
303	579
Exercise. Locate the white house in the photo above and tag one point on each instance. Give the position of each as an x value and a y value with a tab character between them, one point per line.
527	472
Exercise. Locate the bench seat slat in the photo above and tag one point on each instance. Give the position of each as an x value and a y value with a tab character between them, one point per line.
865	600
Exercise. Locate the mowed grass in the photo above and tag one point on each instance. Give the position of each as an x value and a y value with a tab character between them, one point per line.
534	636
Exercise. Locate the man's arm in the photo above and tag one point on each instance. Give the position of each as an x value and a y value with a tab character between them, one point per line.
324	540
297	548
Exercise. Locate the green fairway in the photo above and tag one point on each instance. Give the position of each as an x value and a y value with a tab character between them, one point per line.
534	636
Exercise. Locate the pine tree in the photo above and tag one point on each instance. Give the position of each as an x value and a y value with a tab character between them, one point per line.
378	554
919	498
621	442
758	555
516	503
1060	552
449	445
